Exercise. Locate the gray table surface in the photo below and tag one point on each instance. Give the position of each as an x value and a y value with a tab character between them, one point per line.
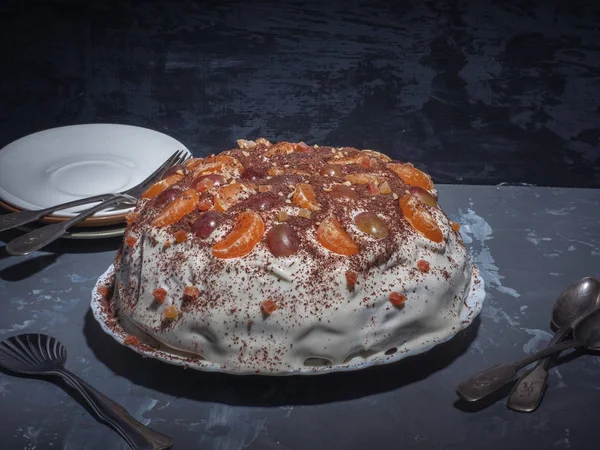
529	243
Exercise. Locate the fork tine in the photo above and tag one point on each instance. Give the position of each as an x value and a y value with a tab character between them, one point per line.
170	162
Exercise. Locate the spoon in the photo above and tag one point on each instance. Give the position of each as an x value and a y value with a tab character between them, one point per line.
577	301
40	354
587	334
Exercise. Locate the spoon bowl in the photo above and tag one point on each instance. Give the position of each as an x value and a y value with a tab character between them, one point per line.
40	354
588	332
32	354
576	302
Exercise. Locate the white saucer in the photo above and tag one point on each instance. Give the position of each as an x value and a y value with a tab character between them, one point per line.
68	163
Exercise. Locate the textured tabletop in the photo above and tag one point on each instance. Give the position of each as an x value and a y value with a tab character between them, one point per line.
529	243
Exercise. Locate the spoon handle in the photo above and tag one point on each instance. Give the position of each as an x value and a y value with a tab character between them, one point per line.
492	379
527	393
137	435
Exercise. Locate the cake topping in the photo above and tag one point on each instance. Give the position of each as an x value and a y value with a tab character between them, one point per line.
397	298
268	307
334	238
370	223
159	294
282	240
423	265
176	210
170	312
420	218
247	232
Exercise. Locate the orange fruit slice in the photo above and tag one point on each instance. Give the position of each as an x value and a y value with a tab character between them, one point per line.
377	155
192	163
334	238
305	197
363	178
227	196
161	185
224	164
177	209
412	176
247	232
420	219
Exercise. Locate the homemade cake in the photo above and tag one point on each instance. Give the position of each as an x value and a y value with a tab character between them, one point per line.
271	257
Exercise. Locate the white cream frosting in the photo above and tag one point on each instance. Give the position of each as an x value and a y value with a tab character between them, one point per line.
318	316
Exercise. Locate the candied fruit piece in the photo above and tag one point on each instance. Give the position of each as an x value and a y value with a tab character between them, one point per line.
205	204
412	176
397	298
103	290
351	279
305	197
420	219
161	185
281	148
159	294
302	147
268	307
377	155
370	223
384	188
167	244
180	236
247	232
363	178
282	216
177	209
455	226
131	340
373	189
275	171
303	212
282	240
170	312
265	188
228	196
423	266
243	143
191	292
130	241
264	142
334	238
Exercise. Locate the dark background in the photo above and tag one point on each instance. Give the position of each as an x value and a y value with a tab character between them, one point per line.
478	92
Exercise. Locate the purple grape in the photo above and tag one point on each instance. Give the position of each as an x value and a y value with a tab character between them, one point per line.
282	240
263	201
206	223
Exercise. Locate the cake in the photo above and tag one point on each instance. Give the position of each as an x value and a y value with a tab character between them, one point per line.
275	257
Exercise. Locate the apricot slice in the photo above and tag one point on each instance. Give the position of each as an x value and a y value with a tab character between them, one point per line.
227	196
305	197
160	186
377	155
419	218
412	176
334	238
363	178
247	232
177	209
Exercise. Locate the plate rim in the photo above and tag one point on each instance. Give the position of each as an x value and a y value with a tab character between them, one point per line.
8	197
473	304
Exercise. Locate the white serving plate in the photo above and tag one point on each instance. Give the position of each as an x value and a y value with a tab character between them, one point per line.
59	165
120	331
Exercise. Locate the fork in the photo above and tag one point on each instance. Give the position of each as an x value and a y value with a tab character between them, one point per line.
39	238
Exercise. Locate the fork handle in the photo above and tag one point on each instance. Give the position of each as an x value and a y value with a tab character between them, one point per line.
12	220
137	435
36	239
